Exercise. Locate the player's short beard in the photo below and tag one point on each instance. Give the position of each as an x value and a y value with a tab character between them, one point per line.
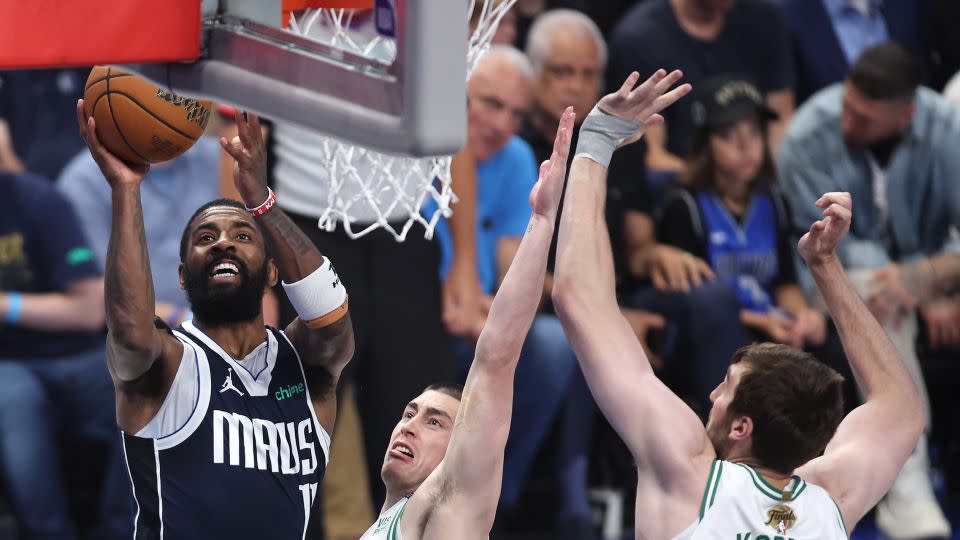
217	305
717	431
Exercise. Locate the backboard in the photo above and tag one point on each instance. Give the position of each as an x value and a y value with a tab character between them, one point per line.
406	95
381	90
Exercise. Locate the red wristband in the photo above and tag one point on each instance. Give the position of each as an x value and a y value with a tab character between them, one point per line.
267	204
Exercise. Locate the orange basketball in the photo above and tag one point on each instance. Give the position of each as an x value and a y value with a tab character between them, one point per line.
140	122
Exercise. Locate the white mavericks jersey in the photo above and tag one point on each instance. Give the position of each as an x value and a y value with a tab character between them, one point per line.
387	526
738	504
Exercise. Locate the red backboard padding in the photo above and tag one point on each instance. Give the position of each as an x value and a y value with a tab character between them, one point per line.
59	33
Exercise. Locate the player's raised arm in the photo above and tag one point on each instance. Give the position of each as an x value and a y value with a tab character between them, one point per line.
666	438
873	442
134	344
323	333
461	494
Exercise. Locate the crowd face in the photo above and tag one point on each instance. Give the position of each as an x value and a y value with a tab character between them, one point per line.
737	152
571	75
717	7
419	441
868	121
498	101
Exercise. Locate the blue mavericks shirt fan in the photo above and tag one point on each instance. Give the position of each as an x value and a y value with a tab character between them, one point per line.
245	456
744	255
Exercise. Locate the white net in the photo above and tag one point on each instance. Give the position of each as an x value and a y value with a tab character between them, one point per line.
369	190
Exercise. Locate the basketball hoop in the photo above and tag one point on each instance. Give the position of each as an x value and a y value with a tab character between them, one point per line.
390	185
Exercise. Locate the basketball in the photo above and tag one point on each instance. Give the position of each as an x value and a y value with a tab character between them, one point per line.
137	120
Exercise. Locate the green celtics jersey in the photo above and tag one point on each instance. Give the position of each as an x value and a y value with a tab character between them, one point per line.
738	504
387	526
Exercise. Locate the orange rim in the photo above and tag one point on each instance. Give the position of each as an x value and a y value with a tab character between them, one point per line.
289	6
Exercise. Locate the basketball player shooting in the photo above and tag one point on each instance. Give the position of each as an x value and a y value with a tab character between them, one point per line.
220	433
444	463
772	460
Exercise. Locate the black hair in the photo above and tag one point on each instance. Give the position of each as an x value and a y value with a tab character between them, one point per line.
186	230
454	390
886	72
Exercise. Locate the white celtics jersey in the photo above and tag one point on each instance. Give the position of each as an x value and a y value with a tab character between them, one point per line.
738	504
387	526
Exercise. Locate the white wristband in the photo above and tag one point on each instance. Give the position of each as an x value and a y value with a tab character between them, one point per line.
319	297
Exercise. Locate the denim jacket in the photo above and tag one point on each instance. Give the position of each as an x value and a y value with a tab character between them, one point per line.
923	179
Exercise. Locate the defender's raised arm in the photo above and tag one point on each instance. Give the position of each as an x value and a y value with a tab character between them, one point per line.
666	438
873	442
461	494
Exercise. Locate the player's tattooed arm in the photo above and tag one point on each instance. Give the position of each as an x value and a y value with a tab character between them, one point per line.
294	253
325	351
133	342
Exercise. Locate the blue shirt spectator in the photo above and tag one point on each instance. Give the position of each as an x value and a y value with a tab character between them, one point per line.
829	35
503	207
922	179
858	25
170	193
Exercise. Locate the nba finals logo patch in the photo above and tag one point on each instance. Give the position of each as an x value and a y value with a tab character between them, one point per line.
781	518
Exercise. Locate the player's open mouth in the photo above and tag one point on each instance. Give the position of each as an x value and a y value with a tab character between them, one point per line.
402	451
224	271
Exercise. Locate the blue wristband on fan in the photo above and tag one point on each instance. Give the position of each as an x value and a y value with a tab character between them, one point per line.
14	306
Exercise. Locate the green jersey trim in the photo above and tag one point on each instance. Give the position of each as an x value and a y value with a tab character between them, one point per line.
839	515
710	490
796	486
393	532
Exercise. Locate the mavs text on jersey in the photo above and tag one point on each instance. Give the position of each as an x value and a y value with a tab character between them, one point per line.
235	451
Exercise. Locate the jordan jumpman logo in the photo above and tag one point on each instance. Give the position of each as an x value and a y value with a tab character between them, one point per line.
228	383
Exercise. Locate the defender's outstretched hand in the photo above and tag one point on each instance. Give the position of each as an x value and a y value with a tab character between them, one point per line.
545	195
644	103
621	118
819	245
250	152
115	170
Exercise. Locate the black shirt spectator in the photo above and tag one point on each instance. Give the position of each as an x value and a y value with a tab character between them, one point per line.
753	43
42	250
40	109
627	190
